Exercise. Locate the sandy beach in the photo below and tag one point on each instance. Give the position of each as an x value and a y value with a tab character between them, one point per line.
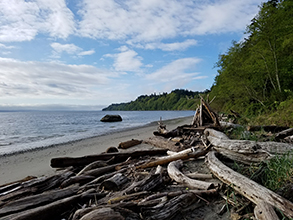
37	162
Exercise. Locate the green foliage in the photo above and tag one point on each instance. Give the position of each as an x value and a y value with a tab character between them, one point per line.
279	171
257	72
178	99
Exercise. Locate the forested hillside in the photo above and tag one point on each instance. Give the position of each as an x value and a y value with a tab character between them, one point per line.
256	75
178	99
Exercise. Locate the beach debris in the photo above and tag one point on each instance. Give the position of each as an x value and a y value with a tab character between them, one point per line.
130	143
111	118
182	173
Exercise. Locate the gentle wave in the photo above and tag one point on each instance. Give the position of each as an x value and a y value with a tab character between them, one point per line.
23	131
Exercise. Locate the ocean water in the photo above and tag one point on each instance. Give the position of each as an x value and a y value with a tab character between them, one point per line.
23	131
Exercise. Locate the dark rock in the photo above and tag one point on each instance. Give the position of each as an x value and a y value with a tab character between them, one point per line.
111	118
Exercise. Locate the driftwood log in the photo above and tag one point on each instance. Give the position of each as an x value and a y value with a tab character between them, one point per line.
246	187
85	160
191	153
130	143
178	176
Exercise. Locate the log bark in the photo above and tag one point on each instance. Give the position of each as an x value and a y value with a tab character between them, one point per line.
85	160
114	183
283	134
163	143
103	214
199	175
216	134
246	187
36	200
264	211
175	174
77	179
128	144
91	166
189	154
53	210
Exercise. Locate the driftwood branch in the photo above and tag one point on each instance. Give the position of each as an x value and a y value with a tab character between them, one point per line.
175	174
246	187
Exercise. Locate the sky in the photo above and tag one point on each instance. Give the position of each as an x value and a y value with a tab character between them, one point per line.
88	54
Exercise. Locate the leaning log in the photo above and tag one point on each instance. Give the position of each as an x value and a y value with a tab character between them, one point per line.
189	154
246	187
85	160
178	176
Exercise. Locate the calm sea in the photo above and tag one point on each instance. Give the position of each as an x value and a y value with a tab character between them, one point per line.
22	131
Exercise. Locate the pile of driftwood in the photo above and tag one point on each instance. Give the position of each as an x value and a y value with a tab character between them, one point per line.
148	183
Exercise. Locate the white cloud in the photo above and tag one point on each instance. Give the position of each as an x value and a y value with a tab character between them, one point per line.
151	20
126	60
22	20
6	47
70	49
171	46
40	79
177	73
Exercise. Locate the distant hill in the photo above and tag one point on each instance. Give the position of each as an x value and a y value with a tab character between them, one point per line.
178	99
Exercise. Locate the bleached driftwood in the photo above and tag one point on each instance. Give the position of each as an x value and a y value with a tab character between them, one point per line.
246	187
178	176
188	154
264	211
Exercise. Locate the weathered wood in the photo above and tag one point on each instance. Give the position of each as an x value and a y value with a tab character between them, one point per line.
130	143
216	134
50	211
127	197
178	176
284	133
77	179
93	165
85	160
169	208
225	124
199	175
264	211
189	154
103	214
101	170
246	187
163	143
114	183
36	200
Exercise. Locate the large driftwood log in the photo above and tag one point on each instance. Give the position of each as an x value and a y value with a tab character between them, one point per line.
175	174
36	200
119	156
246	187
128	144
163	143
188	154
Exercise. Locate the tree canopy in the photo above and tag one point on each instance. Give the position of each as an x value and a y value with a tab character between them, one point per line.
178	99
257	73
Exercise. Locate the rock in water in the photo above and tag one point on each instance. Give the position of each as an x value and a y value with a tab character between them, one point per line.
111	118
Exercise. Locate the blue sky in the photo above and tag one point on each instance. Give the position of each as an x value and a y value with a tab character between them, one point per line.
87	54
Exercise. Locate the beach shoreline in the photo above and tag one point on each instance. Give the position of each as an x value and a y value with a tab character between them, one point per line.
37	162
